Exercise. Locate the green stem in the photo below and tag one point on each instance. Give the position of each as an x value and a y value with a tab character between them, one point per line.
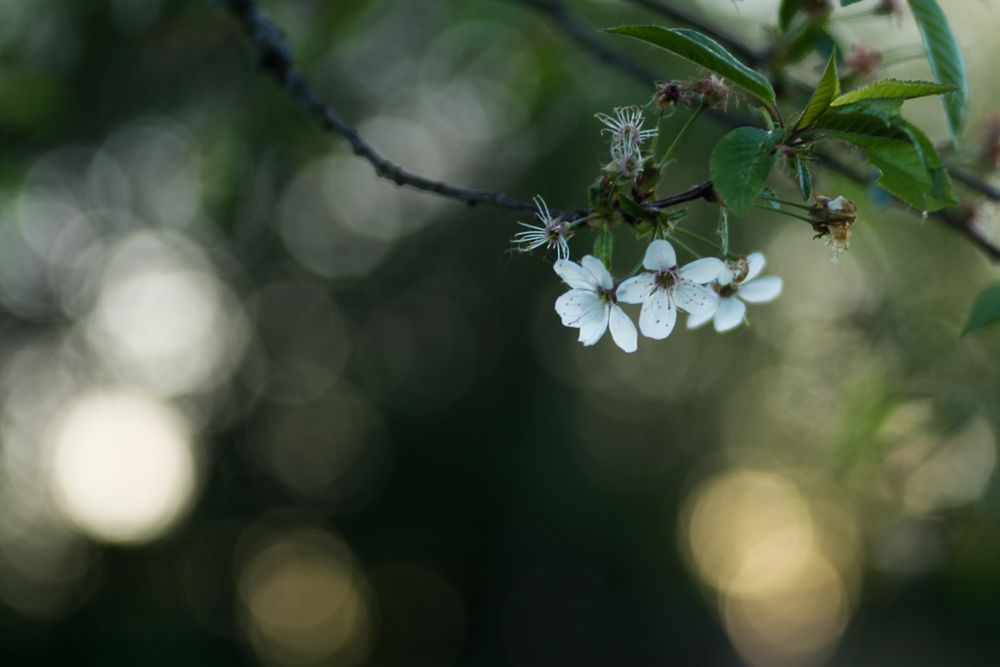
659	131
699	237
784	212
685	246
680	134
579	221
855	17
787	203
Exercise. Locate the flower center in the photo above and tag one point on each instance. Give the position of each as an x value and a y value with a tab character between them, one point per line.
555	230
727	290
607	295
666	279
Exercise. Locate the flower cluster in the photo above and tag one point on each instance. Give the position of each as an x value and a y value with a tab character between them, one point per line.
706	289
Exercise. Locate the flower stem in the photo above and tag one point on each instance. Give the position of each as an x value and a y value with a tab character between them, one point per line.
699	237
784	212
787	203
579	221
685	246
659	131
680	134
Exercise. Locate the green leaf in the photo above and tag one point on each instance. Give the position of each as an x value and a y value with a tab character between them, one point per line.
604	246
910	167
827	90
889	89
804	179
704	51
945	58
787	12
632	208
985	310
740	165
848	3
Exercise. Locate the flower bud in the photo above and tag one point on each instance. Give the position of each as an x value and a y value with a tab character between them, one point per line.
889	8
817	8
669	95
862	60
991	142
713	92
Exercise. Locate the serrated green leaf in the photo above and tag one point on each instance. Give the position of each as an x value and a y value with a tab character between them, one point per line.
910	167
604	246
740	165
826	91
941	188
704	51
985	310
888	89
787	12
945	59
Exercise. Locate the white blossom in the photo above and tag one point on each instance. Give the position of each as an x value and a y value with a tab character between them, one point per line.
668	287
552	233
737	284
590	304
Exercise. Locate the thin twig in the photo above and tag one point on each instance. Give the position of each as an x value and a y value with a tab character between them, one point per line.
276	59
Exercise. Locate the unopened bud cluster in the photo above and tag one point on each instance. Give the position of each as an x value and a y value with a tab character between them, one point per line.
710	91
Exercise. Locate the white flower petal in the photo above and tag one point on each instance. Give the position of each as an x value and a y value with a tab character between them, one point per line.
755	260
658	315
622	330
660	256
598	270
761	290
575	275
594	323
699	319
730	314
574	304
694	298
703	270
636	289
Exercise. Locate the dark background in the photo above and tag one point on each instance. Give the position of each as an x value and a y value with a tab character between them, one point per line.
372	441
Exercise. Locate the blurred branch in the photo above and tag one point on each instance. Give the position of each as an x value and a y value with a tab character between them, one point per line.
276	59
962	222
586	37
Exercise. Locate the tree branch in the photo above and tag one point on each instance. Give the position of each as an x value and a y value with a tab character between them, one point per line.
759	59
276	59
961	222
